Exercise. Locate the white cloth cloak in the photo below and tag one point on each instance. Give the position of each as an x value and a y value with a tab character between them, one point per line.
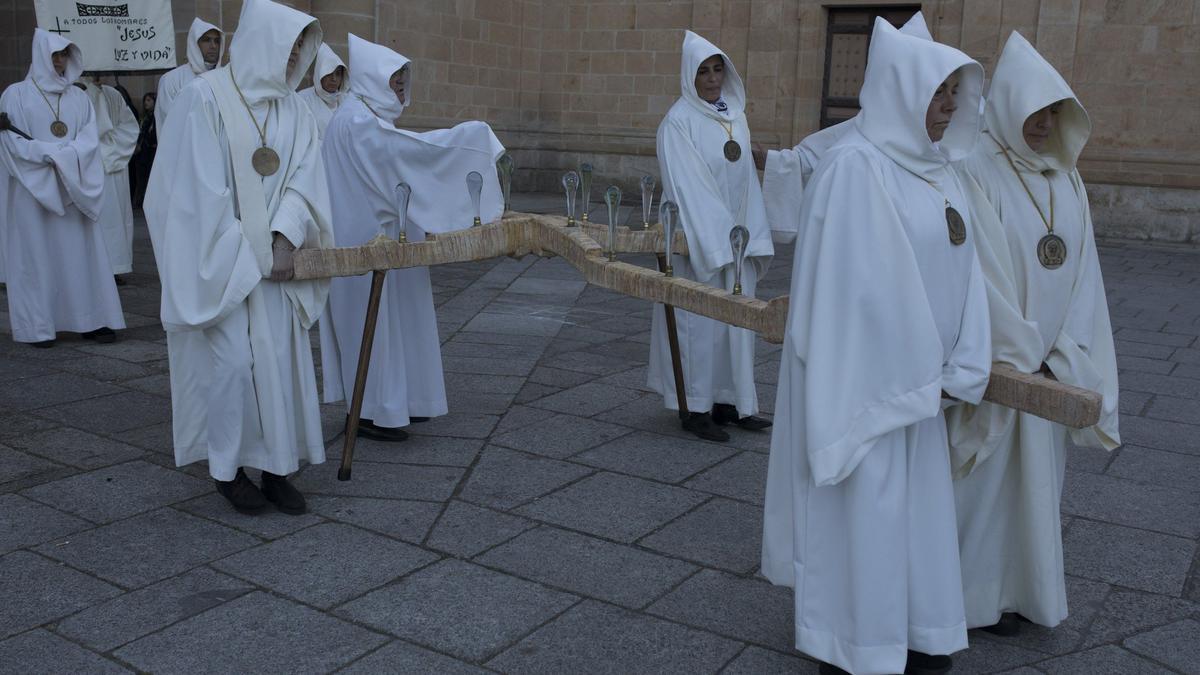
886	314
172	82
57	269
243	386
787	171
713	194
118	132
1011	464
366	157
321	103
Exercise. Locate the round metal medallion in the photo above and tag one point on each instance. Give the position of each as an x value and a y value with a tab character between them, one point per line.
58	128
956	226
733	151
1052	251
265	161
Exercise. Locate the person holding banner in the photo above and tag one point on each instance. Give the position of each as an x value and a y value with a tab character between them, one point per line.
237	186
205	47
118	132
329	86
58	273
367	156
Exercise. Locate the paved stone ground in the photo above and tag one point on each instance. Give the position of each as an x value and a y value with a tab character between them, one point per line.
556	521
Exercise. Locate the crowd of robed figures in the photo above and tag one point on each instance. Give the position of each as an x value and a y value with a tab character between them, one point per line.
935	234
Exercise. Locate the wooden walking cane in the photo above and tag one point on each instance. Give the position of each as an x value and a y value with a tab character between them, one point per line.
673	340
403	192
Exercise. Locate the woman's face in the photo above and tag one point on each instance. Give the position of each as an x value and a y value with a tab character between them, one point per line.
333	81
398	83
1040	125
294	55
60	59
941	108
148	102
710	76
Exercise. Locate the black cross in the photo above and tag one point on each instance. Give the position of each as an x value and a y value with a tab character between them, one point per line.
58	27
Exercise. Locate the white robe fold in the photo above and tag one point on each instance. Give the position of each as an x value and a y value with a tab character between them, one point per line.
713	194
1010	465
57	270
366	158
886	315
243	386
118	132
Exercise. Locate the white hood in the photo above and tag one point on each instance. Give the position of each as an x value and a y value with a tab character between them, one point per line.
327	62
195	58
903	72
733	92
1023	84
917	27
41	67
371	67
259	53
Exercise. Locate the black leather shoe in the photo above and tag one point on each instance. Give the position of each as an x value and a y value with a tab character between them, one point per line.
44	344
1008	625
417	420
104	335
118	280
927	664
724	414
283	494
703	426
830	669
242	493
368	429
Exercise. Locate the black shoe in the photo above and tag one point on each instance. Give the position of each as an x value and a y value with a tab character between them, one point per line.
724	414
1008	625
418	420
118	280
368	429
242	493
44	344
927	664
830	669
283	494
703	426
104	335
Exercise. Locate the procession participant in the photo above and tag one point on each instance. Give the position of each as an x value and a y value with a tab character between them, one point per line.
58	273
205	47
703	153
238	185
329	87
143	155
888	326
117	130
786	172
1048	314
367	156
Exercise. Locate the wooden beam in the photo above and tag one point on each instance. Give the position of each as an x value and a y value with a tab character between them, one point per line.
519	234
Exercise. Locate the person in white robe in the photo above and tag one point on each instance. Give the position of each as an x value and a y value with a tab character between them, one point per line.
330	84
205	48
57	270
786	172
1048	314
888	326
224	227
367	156
715	189
118	132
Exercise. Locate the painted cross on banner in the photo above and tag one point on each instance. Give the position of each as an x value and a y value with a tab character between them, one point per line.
114	35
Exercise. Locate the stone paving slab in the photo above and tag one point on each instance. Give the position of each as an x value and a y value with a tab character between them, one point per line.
557	520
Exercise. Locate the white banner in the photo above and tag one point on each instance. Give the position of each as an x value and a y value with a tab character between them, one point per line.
114	35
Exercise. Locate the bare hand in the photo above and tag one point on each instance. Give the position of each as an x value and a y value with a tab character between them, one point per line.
283	267
760	156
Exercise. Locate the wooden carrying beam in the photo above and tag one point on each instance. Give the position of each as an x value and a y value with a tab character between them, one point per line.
519	234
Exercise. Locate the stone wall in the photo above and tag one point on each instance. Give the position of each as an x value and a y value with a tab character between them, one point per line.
564	81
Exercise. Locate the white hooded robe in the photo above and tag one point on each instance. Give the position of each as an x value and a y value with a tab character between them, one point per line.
1011	463
713	194
57	269
787	171
886	314
118	132
366	157
173	81
321	103
243	386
